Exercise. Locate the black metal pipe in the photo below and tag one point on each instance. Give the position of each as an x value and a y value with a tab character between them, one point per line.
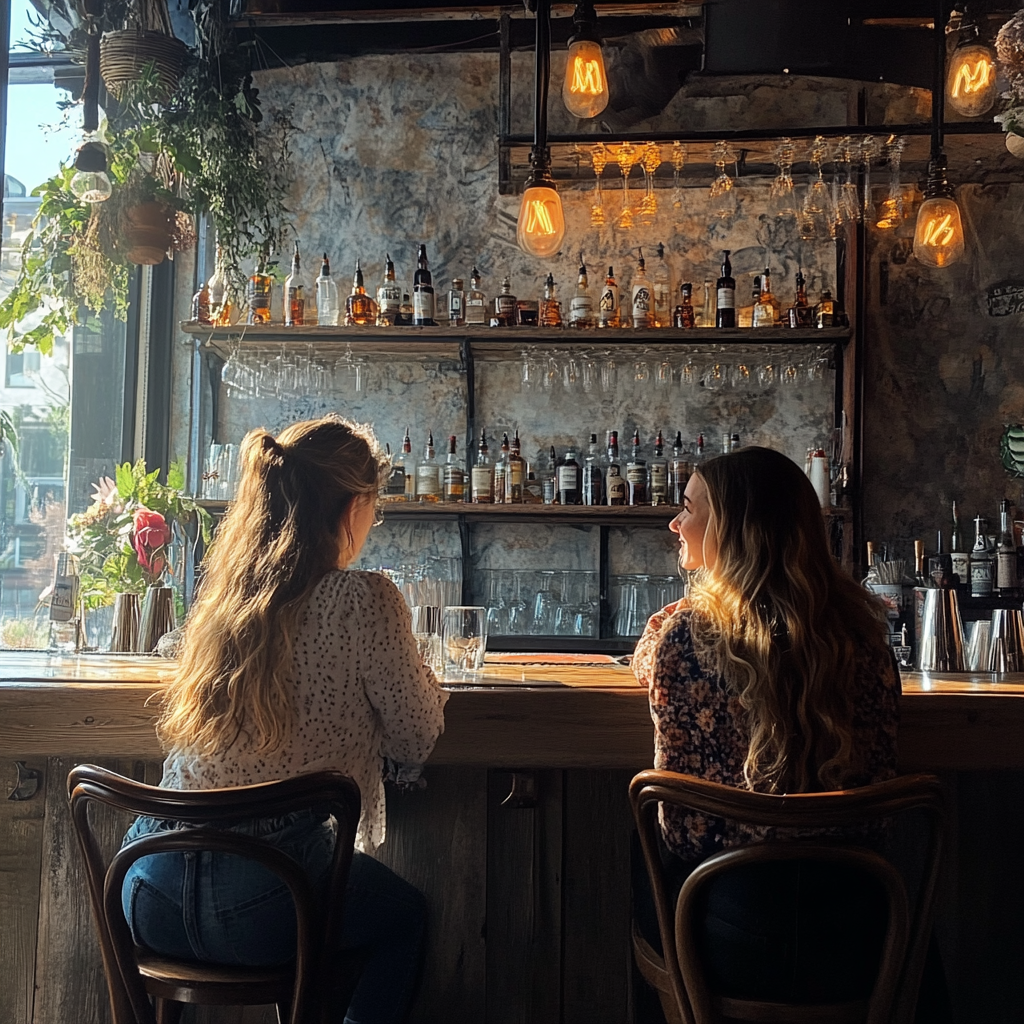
939	78
542	73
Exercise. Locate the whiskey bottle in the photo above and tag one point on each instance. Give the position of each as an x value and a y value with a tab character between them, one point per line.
684	315
326	296
640	302
958	553
581	308
678	471
725	312
219	293
395	488
294	294
481	478
593	478
658	479
800	313
1006	554
454	475
608	303
457	303
533	489
428	475
568	475
505	305
405	312
662	291
389	296
745	314
501	471
981	561
636	474
614	481
824	310
360	308
476	302
201	305
515	474
409	468
766	310
550	307
423	293
549	478
258	293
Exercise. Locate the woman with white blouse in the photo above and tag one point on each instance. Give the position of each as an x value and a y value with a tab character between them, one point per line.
291	662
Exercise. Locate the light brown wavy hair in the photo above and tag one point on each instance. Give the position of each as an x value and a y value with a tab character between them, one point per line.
277	541
782	623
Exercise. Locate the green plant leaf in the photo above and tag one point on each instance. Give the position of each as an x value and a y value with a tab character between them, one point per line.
125	481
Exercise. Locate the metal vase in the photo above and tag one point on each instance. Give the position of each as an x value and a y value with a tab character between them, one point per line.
157	618
124	636
1006	641
941	638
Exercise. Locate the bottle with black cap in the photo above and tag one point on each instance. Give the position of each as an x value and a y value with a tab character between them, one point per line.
725	314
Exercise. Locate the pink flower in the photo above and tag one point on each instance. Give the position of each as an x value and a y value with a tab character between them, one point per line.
150	537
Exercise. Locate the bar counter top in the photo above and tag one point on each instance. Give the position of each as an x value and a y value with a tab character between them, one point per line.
512	716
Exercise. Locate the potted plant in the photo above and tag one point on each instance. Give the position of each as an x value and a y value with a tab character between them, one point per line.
146	39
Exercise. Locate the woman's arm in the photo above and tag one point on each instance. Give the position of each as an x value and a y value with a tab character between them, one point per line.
647	646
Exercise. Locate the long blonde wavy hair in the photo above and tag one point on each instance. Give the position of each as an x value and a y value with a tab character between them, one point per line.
277	541
782	623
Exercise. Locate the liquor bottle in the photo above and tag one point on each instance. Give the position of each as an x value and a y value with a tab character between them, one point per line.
405	312
428	475
726	443
326	296
505	305
258	293
593	478
725	312
683	316
707	316
658	482
360	308
698	455
395	488
920	579
476	302
636	474
457	303
614	481
481	477
423	293
501	471
640	291
550	307
389	296
981	561
201	305
734	443
581	308
678	471
294	294
454	475
800	313
608	303
766	311
662	290
220	294
409	468
533	489
1006	581
958	553
824	310
568	478
515	474
745	314
549	478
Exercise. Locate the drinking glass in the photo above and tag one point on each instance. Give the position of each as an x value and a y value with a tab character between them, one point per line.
426	628
609	374
626	155
599	158
716	376
464	639
689	373
678	163
782	196
663	374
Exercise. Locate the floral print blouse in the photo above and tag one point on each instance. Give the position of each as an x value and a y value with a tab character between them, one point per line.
699	730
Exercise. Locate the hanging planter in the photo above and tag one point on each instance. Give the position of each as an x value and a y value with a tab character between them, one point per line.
149	233
124	54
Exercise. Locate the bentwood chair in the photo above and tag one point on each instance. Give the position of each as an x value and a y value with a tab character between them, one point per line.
303	989
680	977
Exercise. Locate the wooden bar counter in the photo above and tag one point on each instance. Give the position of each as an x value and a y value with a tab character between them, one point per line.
520	840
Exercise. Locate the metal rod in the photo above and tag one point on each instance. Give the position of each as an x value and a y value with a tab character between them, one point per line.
939	79
542	73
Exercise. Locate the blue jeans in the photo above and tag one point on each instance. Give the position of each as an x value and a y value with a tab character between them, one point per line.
219	908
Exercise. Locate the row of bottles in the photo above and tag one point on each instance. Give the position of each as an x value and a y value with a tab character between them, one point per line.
646	304
599	477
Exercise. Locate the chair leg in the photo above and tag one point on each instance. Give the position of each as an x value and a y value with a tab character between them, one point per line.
168	1011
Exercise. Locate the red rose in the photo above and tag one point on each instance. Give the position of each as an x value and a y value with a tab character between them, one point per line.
151	535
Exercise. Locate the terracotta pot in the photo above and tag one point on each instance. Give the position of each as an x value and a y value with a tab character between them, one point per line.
150	233
124	54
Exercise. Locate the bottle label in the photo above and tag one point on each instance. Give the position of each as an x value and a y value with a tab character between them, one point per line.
981	577
475	311
389	298
1006	570
608	303
423	304
659	479
568	478
764	315
581	307
499	483
427	481
455	310
397	481
505	305
514	482
961	566
726	298
615	486
454	483
482	482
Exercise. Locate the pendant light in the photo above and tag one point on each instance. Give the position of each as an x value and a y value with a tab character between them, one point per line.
91	182
939	231
541	225
585	86
971	78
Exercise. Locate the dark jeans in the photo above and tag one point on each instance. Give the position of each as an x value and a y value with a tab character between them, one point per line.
219	908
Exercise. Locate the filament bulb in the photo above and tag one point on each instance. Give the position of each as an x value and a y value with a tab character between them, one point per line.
585	87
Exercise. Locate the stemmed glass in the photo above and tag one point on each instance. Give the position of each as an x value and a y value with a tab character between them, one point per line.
782	197
722	193
849	201
650	161
678	163
815	218
868	151
626	155
891	213
599	159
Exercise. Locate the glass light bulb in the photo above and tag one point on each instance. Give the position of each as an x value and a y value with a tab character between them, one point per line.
971	80
541	226
91	186
939	234
585	87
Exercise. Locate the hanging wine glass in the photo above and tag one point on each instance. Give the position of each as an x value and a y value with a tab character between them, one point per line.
868	151
782	196
678	163
722	193
626	155
599	159
849	199
890	213
815	215
650	161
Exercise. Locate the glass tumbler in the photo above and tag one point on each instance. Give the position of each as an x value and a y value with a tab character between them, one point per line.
464	640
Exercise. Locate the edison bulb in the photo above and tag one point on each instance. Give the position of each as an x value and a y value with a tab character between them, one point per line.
585	87
91	186
541	226
939	234
971	80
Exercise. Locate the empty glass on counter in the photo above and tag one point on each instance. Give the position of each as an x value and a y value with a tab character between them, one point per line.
464	640
426	628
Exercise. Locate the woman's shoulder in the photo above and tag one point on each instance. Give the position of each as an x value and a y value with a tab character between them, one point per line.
371	590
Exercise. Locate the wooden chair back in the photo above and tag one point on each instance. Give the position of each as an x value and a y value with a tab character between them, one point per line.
208	812
894	995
